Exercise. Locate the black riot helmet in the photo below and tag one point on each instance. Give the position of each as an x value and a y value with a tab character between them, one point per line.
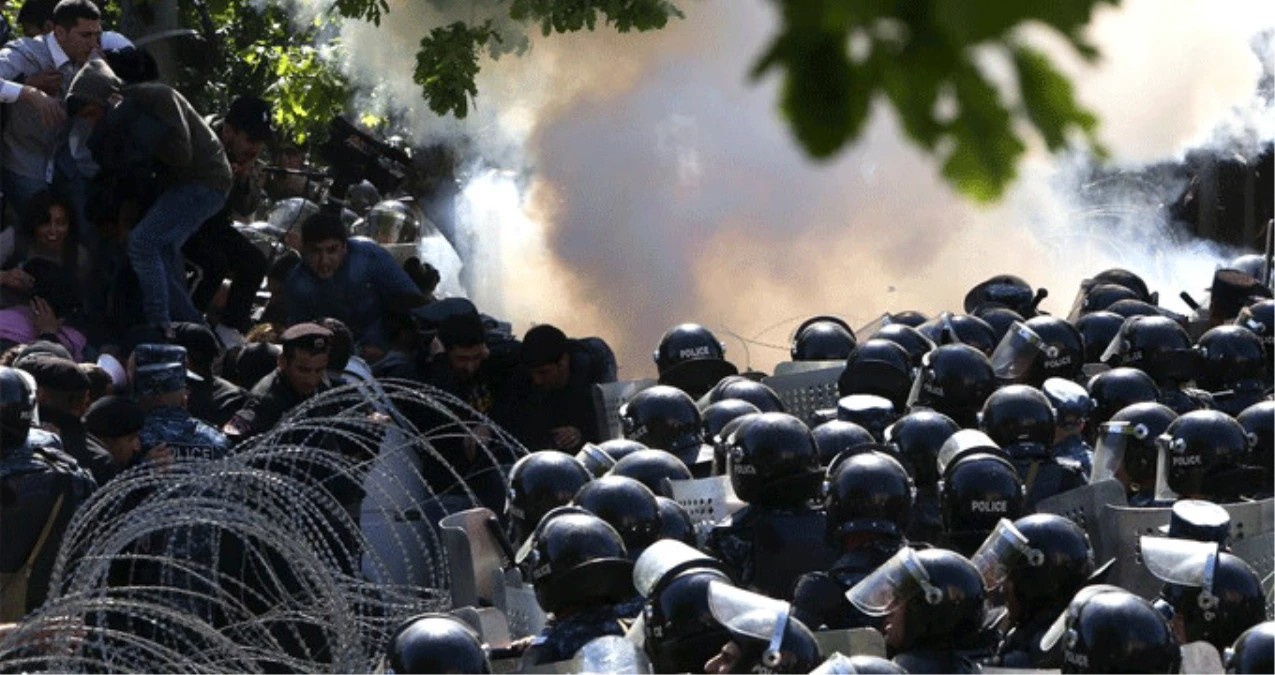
840	664
1131	281
1096	331
1115	631
1253	651
738	387
1071	402
977	491
837	436
1131	307
576	560
918	436
435	643
1259	317
1197	450
1101	296
681	633
1157	346
1126	446
940	593
675	522
772	460
1018	413
1216	594
1231	357
770	639
954	380
822	338
538	483
878	367
909	317
1258	421
1055	562
626	505
1002	290
599	458
1117	389
17	408
665	418
1067	356
907	337
1000	319
652	468
717	415
691	358
948	328
868	492
871	412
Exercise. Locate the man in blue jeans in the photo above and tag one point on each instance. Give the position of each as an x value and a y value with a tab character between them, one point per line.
149	132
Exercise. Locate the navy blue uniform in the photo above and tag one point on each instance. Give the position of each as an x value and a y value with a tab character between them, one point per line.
186	436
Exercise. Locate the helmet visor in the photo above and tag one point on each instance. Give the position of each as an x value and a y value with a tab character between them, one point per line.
1003	549
1064	620
873	327
1115	347
747	613
595	459
892	584
1109	450
1180	561
662	559
919	378
611	654
1164	456
1017	350
962	443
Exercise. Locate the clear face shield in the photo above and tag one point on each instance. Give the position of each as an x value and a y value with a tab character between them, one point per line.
1078	305
595	459
1109	449
611	654
1184	562
1168	449
873	327
1114	348
1017	350
663	559
893	584
962	443
752	615
1004	548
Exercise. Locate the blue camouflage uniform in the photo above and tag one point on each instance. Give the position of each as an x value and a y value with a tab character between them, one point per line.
1072	406
1075	449
562	638
187	437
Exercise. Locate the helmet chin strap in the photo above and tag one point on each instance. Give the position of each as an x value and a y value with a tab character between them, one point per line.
773	655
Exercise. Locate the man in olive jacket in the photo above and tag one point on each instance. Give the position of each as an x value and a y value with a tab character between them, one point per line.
149	129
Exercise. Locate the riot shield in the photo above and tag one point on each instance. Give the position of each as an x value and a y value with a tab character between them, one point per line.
706	500
1123	528
489	622
1087	506
851	642
607	399
1201	657
1251	519
398	515
1017	351
805	393
776	537
611	654
518	601
1259	552
473	554
794	367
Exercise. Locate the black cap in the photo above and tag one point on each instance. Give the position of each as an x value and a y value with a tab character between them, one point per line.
252	116
114	416
543	344
57	374
200	343
44	347
308	336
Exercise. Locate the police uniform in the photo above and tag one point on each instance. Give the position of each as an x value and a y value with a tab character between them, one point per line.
1043	474
771	533
272	397
1021	646
819	599
1185	400
927	516
1075	449
187	437
562	638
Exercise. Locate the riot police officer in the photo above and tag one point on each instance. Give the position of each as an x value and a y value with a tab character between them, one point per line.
738	387
835	437
599	458
1258	421
40	489
1071	405
1200	457
774	467
580	570
932	602
822	338
1116	389
765	637
918	437
691	358
1126	449
1253	651
954	380
435	643
161	391
1021	421
539	483
868	505
652	468
666	418
978	490
1161	348
1259	317
948	328
1209	594
680	632
1233	368
878	367
1110	630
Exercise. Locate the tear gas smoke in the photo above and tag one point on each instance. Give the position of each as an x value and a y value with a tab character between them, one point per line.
663	186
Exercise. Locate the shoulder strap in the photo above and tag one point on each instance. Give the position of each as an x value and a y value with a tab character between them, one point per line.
44	534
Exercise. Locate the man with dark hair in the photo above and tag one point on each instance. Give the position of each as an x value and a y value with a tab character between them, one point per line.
211	398
152	123
218	248
457	367
554	406
62	391
301	374
353	280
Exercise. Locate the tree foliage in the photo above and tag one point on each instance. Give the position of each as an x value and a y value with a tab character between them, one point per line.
835	58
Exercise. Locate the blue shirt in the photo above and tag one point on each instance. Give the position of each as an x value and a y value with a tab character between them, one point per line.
356	294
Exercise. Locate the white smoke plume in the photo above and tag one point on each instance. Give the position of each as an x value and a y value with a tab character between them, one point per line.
649	182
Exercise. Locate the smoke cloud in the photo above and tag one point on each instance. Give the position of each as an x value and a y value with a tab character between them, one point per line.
648	182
